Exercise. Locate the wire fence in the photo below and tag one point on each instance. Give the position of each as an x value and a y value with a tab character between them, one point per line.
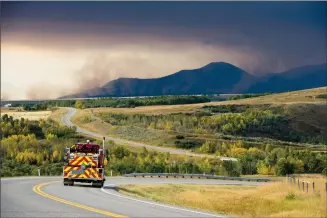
305	185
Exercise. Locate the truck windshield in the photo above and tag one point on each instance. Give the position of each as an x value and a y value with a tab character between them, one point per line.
85	148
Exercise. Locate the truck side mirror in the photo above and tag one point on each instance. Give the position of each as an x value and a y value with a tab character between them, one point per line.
107	154
67	151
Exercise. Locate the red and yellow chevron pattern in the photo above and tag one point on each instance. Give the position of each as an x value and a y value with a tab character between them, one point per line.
87	174
82	160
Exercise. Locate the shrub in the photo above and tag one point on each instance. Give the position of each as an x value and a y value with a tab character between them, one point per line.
180	137
290	196
284	167
188	144
86	119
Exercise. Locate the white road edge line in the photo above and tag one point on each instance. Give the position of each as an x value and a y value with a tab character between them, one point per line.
156	204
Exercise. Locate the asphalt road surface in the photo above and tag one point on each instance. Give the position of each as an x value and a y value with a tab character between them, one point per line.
48	197
66	120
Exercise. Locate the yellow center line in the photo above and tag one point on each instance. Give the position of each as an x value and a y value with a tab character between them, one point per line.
37	189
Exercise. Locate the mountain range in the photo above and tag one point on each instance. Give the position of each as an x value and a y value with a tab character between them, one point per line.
214	78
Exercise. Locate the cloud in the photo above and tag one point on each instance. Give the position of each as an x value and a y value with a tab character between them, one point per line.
81	45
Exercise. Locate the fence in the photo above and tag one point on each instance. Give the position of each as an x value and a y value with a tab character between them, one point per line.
196	176
304	185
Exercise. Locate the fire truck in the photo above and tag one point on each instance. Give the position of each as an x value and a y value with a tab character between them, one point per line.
85	162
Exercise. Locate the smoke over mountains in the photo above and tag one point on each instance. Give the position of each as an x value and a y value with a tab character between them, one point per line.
214	78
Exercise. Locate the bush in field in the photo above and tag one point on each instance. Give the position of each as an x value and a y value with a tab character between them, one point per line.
321	96
180	137
284	167
86	119
51	127
208	147
35	107
232	167
188	143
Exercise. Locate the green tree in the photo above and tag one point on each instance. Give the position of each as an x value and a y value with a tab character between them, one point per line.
79	104
284	167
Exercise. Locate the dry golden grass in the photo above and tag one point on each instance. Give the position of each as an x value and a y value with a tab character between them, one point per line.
57	114
271	200
30	115
10	109
303	96
157	109
96	125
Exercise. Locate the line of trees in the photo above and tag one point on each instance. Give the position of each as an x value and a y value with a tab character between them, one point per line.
116	102
268	159
236	97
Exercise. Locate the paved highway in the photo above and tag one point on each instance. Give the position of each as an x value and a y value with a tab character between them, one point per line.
66	120
48	197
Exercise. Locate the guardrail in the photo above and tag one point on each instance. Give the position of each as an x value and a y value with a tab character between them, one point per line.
196	176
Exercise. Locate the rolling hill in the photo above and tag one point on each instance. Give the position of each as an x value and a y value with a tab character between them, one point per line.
216	77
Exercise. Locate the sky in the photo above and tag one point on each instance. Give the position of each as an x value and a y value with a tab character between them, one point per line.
50	49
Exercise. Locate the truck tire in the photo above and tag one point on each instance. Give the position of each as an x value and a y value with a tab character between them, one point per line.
66	182
98	184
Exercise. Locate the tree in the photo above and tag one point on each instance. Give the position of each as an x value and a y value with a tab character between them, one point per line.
208	147
79	104
284	167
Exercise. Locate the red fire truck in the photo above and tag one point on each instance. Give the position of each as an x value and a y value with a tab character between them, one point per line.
85	162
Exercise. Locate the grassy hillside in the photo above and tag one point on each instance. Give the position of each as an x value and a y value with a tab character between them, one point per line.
303	115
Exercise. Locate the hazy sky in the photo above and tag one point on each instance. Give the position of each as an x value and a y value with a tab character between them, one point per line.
50	49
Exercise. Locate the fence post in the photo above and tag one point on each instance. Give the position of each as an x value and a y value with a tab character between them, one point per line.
313	186
302	186
39	171
307	187
110	172
298	183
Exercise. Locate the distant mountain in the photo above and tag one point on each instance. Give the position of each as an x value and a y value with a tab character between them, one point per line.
217	77
305	77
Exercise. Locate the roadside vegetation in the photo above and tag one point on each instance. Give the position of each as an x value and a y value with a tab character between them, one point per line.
29	145
271	200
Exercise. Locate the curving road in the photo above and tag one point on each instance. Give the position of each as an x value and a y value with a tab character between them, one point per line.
66	120
48	197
